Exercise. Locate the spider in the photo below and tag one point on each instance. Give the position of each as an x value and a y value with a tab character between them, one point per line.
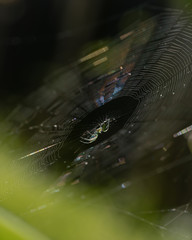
91	136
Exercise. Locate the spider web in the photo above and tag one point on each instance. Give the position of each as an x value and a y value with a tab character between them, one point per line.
149	61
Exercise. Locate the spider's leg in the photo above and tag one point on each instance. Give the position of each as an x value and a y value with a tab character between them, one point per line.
89	140
106	128
85	142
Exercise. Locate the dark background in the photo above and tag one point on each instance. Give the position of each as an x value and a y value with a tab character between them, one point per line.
37	36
